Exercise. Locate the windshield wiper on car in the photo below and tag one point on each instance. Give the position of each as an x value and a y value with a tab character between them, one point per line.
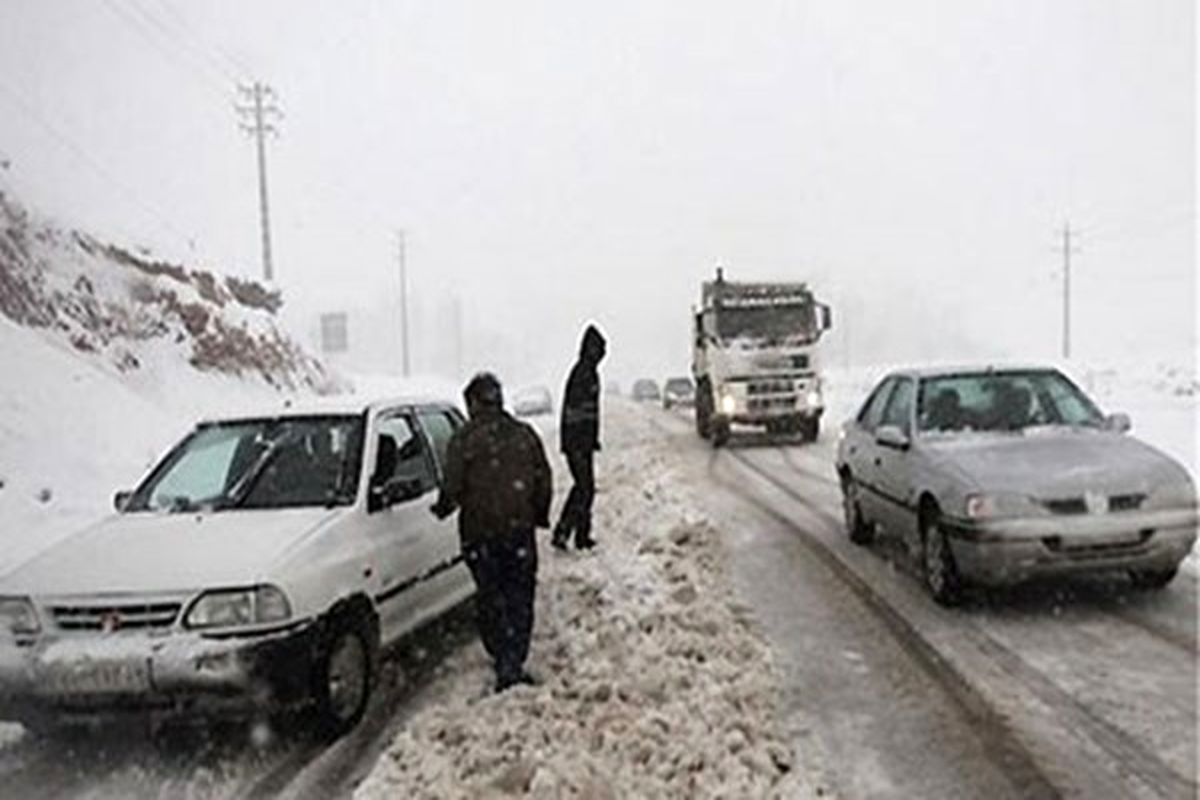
241	490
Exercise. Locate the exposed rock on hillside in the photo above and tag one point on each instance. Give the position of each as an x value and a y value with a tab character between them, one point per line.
124	306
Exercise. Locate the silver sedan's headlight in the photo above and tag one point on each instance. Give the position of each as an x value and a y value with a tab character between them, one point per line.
235	608
17	615
1177	494
993	505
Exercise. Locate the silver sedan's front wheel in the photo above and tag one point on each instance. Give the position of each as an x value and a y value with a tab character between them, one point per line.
857	526
941	573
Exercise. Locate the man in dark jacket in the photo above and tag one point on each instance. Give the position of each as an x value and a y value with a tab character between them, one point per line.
580	436
498	479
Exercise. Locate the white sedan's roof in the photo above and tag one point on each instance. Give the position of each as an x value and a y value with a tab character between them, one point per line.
333	405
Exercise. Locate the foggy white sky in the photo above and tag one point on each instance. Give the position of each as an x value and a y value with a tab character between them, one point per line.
557	162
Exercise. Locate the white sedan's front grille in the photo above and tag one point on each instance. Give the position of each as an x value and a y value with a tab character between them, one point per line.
112	618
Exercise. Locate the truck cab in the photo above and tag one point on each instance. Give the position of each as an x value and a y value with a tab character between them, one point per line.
756	360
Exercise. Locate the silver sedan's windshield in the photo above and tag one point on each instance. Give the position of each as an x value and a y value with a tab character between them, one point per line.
271	463
1002	401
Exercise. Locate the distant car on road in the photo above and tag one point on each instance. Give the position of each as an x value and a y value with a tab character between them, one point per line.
645	389
533	401
679	392
993	476
262	564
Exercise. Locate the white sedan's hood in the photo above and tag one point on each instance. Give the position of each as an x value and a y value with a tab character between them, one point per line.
1060	462
153	552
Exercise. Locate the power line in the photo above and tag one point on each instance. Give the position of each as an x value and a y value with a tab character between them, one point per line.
33	114
181	31
214	81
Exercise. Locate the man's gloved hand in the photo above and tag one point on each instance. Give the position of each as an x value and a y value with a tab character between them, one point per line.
441	509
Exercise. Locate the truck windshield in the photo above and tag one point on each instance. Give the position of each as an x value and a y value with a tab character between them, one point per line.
268	463
767	323
1002	401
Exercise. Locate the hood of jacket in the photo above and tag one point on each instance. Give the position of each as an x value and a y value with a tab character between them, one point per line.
594	345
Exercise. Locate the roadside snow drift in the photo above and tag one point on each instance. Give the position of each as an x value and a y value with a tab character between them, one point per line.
653	683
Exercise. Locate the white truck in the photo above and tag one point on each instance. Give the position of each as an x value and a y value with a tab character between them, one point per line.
755	358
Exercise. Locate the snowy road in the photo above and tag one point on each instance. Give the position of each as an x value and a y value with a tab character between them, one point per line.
1082	689
1078	689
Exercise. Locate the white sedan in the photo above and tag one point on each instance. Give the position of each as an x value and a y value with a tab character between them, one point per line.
262	564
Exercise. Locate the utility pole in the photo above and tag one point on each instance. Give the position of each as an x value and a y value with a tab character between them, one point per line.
400	252
261	112
458	337
1067	250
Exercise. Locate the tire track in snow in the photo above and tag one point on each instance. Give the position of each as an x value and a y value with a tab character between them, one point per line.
1130	755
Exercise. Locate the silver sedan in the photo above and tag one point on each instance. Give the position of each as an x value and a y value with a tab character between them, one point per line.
996	476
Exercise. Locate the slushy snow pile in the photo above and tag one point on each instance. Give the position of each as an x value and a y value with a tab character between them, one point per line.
653	682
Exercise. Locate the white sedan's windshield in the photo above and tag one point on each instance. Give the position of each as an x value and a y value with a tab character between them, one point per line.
275	463
1002	401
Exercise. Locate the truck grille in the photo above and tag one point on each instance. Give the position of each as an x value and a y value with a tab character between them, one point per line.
776	386
130	616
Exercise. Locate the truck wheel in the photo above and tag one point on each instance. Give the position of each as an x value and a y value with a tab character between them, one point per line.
720	433
344	674
703	411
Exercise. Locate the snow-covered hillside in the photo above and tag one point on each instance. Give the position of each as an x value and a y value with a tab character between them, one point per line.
107	358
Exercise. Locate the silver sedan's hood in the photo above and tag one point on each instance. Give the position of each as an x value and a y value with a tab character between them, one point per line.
1059	462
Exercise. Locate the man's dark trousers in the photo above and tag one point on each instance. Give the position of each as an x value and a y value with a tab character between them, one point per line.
577	511
505	572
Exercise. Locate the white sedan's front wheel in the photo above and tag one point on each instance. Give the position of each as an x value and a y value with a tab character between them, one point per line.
344	679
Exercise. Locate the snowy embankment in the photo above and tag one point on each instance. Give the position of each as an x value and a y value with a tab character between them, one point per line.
653	684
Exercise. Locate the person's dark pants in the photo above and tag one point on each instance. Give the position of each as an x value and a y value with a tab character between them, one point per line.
577	512
505	572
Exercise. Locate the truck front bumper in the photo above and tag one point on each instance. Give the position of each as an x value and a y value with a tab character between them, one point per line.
176	673
1009	551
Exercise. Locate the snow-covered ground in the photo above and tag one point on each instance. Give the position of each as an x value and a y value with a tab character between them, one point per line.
654	683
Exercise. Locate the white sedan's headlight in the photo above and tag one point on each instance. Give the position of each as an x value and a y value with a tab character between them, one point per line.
233	608
17	615
1000	504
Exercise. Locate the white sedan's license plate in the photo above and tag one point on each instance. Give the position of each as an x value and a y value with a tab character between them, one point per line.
98	677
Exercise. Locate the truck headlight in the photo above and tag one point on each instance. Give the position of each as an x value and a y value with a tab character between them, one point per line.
233	608
728	404
814	398
999	504
18	616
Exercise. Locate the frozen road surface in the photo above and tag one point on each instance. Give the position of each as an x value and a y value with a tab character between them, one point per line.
1072	688
1081	688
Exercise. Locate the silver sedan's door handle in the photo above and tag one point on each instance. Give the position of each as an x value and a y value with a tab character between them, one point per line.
878	461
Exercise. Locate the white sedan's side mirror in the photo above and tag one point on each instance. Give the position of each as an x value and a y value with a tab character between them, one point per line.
1120	423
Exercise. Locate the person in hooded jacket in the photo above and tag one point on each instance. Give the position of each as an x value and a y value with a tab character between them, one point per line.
498	479
579	432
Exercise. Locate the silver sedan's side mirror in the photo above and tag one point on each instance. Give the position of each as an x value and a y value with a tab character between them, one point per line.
892	436
1120	423
121	499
